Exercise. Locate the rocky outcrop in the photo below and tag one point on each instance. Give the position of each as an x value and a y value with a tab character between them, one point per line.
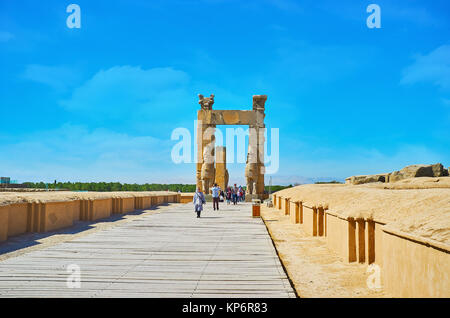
367	179
413	171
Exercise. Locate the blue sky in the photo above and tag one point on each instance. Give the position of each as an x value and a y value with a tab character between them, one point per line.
99	103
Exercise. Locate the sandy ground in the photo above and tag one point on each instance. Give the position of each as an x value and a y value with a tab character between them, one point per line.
28	242
315	270
409	205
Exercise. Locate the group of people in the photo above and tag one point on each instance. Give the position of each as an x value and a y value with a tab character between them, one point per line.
233	194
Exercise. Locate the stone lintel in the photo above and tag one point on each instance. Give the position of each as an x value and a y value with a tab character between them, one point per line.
231	117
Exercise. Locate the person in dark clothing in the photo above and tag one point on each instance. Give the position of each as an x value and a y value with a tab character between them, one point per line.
235	194
228	195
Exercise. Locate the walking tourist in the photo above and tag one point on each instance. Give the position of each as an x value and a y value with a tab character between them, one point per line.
234	194
215	196
199	200
228	194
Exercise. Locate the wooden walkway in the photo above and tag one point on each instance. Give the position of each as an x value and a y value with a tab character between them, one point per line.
168	254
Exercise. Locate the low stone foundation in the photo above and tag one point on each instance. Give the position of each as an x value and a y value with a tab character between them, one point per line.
294	208
16	219
411	266
56	215
4	216
186	198
92	210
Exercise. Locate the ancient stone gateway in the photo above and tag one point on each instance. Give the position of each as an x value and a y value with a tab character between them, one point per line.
207	121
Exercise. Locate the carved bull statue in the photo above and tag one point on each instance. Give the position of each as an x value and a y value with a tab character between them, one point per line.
206	103
208	171
251	171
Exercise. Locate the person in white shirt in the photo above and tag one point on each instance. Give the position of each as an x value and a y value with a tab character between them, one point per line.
215	196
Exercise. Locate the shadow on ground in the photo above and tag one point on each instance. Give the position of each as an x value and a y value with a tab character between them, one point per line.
22	241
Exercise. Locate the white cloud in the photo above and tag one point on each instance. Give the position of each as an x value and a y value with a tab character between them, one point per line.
124	90
77	153
433	68
57	77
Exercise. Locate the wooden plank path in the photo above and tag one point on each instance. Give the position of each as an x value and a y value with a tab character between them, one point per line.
167	254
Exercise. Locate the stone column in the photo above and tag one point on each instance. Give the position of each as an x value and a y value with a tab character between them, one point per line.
221	167
252	167
205	170
259	107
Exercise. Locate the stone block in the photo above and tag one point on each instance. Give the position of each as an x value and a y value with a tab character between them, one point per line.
320	221
294	209
92	210
58	215
286	206
341	236
18	219
186	198
310	220
413	268
4	216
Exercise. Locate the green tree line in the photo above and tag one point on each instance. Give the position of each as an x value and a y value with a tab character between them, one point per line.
117	186
112	186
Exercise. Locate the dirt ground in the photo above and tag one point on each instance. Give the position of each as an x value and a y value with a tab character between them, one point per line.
315	270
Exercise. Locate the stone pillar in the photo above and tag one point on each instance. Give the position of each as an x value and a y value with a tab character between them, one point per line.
221	167
205	170
259	107
252	167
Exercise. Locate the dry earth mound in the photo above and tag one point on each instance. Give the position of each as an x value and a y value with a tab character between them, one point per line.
418	206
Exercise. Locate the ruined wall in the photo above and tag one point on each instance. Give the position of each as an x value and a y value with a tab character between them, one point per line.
414	268
286	206
18	218
58	215
411	266
310	220
294	209
93	210
340	237
187	198
4	216
36	216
